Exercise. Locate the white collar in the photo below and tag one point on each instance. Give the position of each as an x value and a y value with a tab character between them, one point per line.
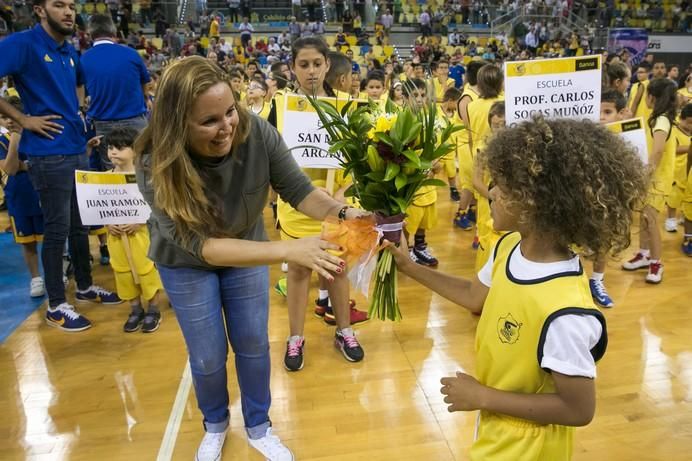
103	41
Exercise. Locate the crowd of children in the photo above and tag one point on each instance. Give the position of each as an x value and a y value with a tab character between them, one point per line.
502	179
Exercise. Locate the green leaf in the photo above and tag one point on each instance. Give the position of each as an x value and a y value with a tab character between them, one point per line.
385	138
433	182
412	133
392	170
376	176
400	180
413	157
401	204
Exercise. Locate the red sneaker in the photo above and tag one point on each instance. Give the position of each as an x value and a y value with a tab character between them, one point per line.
356	316
655	273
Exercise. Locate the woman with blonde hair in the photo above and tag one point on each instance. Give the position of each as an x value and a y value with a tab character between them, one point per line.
205	166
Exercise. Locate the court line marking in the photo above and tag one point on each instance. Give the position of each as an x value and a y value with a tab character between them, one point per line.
176	417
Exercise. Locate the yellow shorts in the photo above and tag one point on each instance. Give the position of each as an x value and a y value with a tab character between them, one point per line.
450	167
421	217
656	201
487	235
127	289
465	168
674	200
502	438
687	198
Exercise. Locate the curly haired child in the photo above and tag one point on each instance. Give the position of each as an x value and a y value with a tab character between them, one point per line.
557	184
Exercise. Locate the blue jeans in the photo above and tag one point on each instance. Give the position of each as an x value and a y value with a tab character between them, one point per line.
53	179
104	127
212	306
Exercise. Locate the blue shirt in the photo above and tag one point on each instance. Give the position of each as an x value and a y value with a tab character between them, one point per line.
114	75
22	199
46	76
457	73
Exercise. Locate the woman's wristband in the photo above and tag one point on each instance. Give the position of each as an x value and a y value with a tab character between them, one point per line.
342	213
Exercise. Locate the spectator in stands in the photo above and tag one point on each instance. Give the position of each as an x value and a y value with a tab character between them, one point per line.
159	23
294	29
347	22
233	10
330	10
357	24
296	5
531	41
246	31
659	69
54	140
387	21
425	22
339	10
245	6
673	73
340	39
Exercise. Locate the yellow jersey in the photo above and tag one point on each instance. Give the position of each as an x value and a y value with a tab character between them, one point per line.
478	120
663	176
509	344
642	110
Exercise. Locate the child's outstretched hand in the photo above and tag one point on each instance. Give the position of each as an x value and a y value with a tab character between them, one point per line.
400	253
462	392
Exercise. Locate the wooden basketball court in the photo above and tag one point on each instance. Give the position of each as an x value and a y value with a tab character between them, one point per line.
106	395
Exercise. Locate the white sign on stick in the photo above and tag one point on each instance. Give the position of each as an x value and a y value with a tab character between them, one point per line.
304	134
555	88
110	198
632	131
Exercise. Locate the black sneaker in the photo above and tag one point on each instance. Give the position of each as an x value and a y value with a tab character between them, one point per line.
293	360
134	322
423	256
345	340
454	194
151	322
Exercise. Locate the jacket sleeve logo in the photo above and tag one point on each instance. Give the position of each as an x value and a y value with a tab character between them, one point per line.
508	329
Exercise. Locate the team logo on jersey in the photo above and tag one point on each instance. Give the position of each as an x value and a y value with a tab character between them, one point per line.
508	329
47	58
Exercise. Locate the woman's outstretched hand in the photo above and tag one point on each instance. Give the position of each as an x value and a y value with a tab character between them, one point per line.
312	253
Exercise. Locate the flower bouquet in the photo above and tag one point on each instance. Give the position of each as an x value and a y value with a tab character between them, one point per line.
389	157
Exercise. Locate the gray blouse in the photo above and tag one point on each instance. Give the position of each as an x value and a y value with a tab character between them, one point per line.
242	182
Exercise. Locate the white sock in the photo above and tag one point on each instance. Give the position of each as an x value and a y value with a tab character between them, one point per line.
294	339
644	252
323	294
598	276
654	261
347	331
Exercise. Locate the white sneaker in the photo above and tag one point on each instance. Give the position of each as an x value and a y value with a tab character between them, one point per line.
38	287
671	225
271	447
284	267
655	274
639	261
211	446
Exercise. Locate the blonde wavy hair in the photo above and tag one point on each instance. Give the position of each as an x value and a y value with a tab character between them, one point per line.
180	190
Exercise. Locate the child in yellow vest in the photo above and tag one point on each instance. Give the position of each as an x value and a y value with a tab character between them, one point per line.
421	215
487	235
539	335
661	99
311	65
374	88
448	111
123	260
687	207
637	100
489	80
682	131
613	109
466	216
441	80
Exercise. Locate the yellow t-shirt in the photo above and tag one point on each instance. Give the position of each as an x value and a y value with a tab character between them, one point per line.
478	111
680	173
214	28
642	109
296	224
663	176
440	88
687	94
